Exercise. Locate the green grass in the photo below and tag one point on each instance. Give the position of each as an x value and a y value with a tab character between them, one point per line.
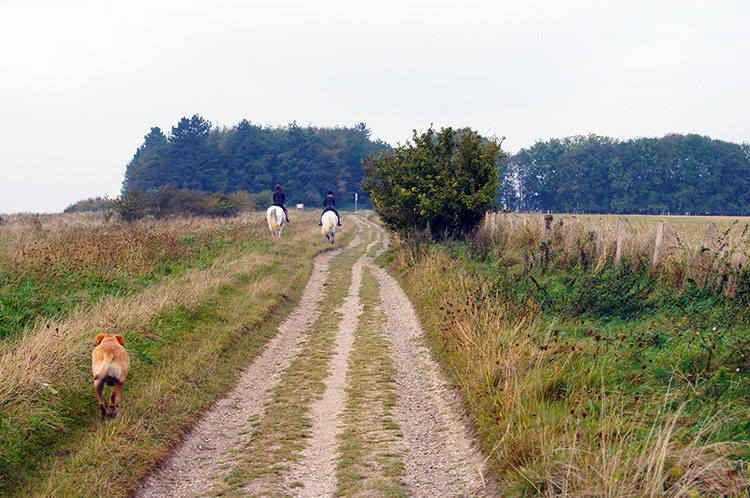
577	377
369	464
187	333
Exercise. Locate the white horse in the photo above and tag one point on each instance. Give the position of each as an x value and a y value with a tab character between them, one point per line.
329	225
276	219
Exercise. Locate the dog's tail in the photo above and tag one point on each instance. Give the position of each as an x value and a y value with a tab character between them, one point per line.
108	368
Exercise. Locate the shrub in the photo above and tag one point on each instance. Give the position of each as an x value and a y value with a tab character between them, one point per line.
245	201
261	200
168	201
131	206
444	181
161	202
222	205
190	202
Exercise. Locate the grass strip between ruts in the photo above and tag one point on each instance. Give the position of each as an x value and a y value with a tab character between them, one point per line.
370	464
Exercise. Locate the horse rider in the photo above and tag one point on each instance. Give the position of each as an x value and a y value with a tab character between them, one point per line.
278	200
329	204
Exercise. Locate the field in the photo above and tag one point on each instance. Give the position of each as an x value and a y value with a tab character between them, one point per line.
591	376
194	300
595	357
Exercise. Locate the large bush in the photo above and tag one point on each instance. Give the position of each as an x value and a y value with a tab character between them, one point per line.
443	182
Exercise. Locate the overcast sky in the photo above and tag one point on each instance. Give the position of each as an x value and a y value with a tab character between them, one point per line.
83	81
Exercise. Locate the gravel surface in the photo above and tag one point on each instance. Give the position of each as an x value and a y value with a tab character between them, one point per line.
436	447
438	450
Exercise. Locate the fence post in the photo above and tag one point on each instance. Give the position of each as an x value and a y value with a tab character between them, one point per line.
600	238
568	229
664	239
547	225
658	244
621	228
711	237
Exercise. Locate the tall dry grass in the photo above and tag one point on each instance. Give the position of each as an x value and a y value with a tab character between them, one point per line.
84	244
49	432
74	260
690	250
571	407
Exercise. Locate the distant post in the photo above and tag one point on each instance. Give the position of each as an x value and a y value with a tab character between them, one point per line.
711	237
356	197
620	239
547	225
665	240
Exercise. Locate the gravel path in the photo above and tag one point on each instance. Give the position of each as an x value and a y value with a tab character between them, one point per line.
437	450
194	467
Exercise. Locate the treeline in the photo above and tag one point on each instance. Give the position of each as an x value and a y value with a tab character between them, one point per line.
306	161
681	174
677	174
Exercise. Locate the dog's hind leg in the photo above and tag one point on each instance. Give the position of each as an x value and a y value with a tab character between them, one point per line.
116	398
99	385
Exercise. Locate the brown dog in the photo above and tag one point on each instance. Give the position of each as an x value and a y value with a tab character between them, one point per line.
110	364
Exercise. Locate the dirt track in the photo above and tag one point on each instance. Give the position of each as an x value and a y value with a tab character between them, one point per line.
426	433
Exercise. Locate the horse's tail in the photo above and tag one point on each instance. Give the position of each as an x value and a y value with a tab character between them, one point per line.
274	221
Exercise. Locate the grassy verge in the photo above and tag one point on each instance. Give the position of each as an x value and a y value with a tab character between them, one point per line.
47	274
280	434
370	464
616	380
187	335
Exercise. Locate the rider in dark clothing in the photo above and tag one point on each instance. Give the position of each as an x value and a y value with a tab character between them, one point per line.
278	200
329	204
